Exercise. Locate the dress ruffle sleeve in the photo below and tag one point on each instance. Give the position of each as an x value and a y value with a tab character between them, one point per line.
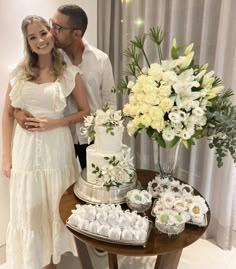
17	86
65	86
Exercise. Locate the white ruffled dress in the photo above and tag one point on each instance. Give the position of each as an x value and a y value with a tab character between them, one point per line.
43	167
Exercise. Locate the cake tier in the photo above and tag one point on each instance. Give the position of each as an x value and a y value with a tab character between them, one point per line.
99	162
108	141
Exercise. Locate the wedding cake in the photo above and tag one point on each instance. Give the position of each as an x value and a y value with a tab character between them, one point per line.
110	172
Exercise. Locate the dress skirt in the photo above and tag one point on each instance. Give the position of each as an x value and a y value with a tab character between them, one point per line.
43	167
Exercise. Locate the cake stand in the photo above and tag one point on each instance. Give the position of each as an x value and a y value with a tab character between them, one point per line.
93	194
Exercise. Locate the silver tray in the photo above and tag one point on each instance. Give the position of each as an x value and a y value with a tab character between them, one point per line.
94	194
108	240
202	224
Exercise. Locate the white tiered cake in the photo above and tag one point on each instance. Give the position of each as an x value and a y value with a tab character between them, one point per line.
110	171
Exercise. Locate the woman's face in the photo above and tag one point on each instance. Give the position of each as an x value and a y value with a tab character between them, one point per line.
39	38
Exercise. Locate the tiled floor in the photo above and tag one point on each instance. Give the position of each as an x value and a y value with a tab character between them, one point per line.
200	255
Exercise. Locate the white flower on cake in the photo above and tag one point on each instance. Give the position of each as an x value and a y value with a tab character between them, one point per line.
115	172
106	117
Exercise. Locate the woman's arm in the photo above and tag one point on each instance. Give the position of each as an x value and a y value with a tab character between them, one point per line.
7	131
80	97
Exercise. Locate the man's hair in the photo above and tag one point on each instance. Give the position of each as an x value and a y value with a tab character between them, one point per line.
77	16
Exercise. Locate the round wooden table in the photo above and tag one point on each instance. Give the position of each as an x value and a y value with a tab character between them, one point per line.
168	249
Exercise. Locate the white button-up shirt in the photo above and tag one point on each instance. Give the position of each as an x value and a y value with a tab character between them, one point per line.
96	73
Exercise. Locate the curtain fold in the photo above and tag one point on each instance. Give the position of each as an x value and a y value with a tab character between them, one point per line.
209	24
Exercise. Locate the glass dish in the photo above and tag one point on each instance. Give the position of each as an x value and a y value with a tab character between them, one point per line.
169	229
140	208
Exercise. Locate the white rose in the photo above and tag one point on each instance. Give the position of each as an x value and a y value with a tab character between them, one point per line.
132	99
145	120
140	97
144	108
166	104
126	109
164	90
156	113
158	125
152	98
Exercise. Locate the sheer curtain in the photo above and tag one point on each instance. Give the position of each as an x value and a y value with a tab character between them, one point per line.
210	25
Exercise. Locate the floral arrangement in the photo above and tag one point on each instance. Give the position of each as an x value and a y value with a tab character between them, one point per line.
115	172
106	117
177	100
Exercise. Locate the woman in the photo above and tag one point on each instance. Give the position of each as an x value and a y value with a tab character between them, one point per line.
40	161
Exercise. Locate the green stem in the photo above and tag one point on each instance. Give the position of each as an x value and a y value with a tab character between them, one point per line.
159	53
145	56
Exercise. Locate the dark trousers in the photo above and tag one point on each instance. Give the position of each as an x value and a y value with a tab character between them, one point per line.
80	151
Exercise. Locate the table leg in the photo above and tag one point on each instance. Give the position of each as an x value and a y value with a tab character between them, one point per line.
83	255
169	260
112	260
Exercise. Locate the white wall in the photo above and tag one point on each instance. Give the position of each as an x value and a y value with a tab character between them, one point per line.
11	50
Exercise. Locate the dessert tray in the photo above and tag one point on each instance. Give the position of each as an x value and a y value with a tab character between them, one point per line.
201	224
108	240
94	194
110	223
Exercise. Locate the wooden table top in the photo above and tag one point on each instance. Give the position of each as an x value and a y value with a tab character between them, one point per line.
157	244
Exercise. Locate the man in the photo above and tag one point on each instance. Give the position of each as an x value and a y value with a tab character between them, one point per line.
68	25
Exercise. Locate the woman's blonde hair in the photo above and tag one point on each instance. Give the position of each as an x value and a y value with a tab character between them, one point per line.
30	69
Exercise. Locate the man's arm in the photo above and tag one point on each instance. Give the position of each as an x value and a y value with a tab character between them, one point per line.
20	116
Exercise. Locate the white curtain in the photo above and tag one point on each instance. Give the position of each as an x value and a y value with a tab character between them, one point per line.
210	25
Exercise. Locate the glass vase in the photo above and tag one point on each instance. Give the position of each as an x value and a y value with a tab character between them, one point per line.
167	159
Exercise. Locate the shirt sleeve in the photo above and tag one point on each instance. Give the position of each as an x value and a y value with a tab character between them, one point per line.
107	83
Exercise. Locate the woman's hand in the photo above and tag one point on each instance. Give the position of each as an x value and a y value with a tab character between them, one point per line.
6	166
40	124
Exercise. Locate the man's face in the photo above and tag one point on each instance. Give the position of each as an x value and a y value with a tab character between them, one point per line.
61	30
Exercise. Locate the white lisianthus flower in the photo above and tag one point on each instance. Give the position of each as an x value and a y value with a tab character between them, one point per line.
168	134
187	134
201	121
166	104
198	111
175	117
